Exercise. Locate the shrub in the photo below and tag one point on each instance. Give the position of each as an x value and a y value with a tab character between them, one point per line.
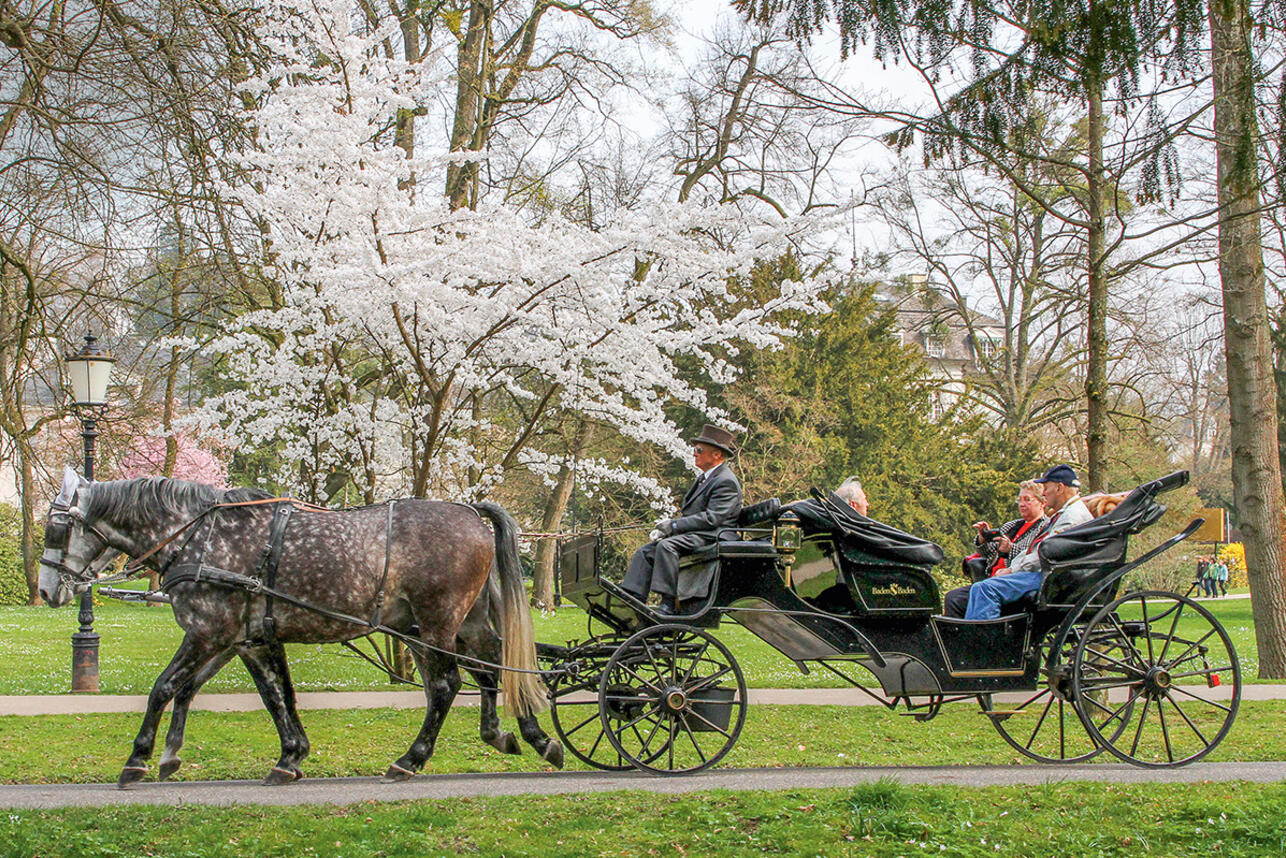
13	581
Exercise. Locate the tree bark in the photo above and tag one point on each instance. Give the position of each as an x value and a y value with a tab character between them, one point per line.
1256	471
542	591
1096	330
469	82
30	556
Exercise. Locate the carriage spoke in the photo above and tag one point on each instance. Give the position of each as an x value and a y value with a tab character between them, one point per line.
706	681
593	717
1191	724
1108	684
1030	700
696	662
1147	628
650	687
1205	671
714	728
1032	738
1170	636
1098	654
1193	646
1126	642
1165	732
1201	699
693	738
645	745
1143	719
1115	714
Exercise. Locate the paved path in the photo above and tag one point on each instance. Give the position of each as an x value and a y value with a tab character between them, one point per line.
328	791
81	704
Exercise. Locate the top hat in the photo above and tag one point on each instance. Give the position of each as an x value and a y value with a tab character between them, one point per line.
716	437
1060	474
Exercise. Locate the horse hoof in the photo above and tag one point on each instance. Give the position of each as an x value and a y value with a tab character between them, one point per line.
278	776
130	775
168	767
505	743
396	774
554	754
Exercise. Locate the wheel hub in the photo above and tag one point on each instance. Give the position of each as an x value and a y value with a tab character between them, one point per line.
1157	681
675	700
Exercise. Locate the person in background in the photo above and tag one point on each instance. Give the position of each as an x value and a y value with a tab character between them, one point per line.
1023	575
1019	534
1199	582
1210	578
851	491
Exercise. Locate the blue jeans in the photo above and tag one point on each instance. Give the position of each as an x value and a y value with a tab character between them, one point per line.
986	596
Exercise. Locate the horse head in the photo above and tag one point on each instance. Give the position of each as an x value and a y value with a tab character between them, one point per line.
75	550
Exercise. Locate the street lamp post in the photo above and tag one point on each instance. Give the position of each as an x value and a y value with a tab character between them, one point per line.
89	371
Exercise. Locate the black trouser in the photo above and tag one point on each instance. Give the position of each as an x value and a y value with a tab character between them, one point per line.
955	602
655	566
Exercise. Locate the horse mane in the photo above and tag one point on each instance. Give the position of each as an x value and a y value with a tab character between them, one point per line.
133	503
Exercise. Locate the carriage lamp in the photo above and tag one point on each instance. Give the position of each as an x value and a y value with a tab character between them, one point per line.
89	370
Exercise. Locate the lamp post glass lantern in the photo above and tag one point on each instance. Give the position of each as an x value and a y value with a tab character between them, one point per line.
89	371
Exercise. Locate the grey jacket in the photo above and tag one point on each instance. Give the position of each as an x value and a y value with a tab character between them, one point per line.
710	504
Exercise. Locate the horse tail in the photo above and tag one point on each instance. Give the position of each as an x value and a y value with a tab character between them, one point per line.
524	692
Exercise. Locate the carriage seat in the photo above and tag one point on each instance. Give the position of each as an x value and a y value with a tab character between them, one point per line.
700	567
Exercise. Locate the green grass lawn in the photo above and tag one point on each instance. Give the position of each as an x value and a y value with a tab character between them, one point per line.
879	819
137	642
242	745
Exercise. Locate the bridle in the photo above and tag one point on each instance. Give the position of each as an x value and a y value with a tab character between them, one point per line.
62	518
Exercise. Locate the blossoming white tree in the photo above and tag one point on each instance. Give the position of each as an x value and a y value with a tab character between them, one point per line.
420	348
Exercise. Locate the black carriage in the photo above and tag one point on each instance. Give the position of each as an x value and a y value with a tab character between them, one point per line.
1081	667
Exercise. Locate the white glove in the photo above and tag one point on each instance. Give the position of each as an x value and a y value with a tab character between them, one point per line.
665	526
655	535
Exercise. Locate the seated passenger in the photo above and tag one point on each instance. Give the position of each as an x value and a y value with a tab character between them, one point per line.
851	491
836	599
1023	575
1015	538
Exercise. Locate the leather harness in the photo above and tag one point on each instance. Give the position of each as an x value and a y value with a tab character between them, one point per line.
264	579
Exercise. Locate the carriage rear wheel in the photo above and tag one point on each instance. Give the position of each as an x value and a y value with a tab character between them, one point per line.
672	700
1045	724
1156	679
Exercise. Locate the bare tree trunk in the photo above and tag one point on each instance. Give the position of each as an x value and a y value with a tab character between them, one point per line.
30	556
1256	471
1096	331
542	591
469	81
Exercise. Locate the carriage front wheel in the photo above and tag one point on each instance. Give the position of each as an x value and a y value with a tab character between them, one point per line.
672	700
1156	680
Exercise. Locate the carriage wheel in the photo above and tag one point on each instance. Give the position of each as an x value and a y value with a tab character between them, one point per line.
672	700
1171	675
574	708
1045	725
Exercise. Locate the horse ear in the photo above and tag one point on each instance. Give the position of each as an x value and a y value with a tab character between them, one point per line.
71	482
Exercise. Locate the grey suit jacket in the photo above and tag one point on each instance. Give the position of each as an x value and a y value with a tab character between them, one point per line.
710	504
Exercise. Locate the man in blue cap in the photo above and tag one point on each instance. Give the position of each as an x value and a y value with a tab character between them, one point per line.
1065	508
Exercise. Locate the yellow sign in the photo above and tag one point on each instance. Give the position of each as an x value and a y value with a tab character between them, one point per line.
1216	527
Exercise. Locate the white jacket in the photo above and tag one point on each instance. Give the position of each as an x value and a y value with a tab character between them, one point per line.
1074	512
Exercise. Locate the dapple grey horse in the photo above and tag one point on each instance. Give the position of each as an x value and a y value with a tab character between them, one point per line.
418	566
